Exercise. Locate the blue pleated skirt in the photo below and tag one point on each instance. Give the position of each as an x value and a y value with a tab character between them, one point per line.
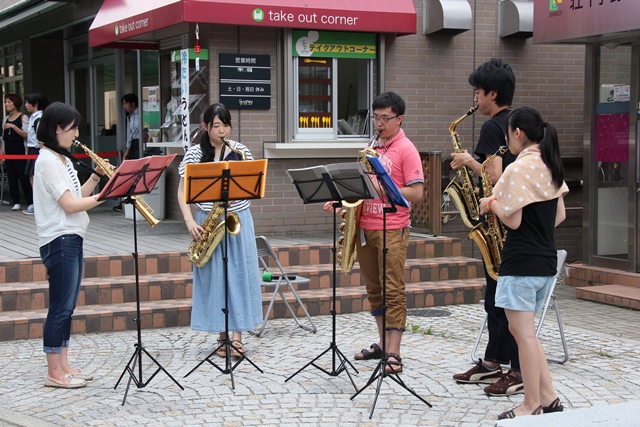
245	300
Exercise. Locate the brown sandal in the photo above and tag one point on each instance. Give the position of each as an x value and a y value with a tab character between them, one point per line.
555	406
237	349
510	414
222	350
393	366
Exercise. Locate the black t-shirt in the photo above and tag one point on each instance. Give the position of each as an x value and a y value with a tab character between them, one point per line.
492	137
530	250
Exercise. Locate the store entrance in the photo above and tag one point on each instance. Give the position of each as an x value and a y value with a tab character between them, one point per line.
613	143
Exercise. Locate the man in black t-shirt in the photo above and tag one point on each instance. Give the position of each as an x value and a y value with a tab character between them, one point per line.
494	83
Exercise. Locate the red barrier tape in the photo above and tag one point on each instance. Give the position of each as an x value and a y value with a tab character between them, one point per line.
35	156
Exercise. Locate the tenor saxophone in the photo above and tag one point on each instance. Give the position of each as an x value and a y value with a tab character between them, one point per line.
464	193
200	251
142	206
351	214
491	240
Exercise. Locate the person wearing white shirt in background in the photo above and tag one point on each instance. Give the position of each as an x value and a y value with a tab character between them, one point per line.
132	148
34	103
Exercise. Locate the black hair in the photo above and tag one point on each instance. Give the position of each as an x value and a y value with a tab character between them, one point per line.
36	98
56	114
130	98
495	75
15	99
389	99
220	110
529	120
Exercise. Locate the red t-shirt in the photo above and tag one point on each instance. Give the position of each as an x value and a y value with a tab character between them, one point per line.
401	159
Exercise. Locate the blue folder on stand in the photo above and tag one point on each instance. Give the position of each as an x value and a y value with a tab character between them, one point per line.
390	187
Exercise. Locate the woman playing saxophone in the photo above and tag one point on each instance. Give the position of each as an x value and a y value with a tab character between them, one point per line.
60	204
245	302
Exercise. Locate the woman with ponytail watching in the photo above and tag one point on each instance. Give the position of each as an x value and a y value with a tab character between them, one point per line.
528	199
61	203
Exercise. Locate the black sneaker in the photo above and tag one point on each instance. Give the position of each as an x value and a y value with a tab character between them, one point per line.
479	374
118	207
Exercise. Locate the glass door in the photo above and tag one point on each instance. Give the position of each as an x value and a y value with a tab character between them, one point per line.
612	142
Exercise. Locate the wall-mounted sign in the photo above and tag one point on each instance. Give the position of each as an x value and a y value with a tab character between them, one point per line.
245	81
334	44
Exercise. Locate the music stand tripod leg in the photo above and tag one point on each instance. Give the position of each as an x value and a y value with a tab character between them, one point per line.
333	347
226	342
136	358
380	373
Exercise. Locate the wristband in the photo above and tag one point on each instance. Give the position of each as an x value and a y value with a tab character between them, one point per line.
489	203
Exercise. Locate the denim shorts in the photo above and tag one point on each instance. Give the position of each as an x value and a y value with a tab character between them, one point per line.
523	293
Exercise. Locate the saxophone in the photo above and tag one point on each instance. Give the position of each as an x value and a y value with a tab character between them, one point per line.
464	193
200	251
351	214
141	206
490	241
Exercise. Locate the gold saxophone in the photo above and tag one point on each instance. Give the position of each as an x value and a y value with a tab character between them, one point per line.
142	206
200	251
490	241
350	216
464	193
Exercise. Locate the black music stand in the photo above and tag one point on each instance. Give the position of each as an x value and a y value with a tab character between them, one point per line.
393	197
345	181
132	178
222	182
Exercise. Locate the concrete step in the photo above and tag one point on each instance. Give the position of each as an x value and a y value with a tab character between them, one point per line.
28	270
162	313
618	295
435	274
161	286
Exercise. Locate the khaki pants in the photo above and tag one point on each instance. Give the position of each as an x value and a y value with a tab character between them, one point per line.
370	257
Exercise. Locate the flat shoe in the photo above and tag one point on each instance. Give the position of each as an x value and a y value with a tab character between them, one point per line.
83	376
365	354
555	406
73	382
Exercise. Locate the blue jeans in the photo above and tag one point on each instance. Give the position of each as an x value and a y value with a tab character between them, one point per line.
64	261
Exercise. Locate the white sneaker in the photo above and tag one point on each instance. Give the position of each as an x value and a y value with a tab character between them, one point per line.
29	210
16	207
6	203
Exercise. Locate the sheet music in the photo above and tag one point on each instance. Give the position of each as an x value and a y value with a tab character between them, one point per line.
349	179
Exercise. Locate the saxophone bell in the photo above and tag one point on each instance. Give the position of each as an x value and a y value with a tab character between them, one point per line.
109	169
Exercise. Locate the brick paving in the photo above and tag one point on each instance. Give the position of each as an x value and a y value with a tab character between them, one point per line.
603	341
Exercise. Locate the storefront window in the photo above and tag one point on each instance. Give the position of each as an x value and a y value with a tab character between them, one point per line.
333	84
612	151
11	71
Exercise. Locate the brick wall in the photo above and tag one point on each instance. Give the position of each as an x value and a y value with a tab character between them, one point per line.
430	72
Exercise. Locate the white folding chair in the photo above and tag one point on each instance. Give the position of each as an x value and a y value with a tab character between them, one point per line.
549	300
265	252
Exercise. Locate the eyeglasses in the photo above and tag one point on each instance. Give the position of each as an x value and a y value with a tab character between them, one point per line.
382	119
